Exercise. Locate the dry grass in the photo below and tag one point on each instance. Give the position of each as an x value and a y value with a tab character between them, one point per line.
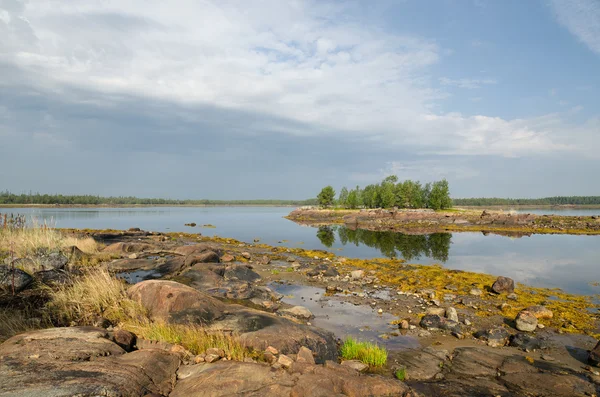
97	293
26	241
15	321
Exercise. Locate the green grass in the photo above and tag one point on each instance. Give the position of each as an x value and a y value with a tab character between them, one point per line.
400	374
274	272
366	352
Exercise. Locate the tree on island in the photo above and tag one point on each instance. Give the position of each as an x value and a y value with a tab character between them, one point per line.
326	197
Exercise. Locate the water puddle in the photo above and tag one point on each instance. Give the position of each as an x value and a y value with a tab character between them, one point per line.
138	276
345	319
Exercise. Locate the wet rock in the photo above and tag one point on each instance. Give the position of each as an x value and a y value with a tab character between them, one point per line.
475	361
540	311
305	355
355	365
242	273
503	285
299	312
527	342
357	274
526	321
495	337
13	277
594	356
451	314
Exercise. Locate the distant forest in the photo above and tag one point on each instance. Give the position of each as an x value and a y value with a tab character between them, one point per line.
59	199
559	200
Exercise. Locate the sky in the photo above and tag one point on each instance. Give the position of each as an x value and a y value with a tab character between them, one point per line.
247	99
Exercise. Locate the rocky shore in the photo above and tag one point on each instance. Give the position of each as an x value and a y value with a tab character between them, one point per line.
447	333
429	221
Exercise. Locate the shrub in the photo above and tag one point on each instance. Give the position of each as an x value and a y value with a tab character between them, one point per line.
366	352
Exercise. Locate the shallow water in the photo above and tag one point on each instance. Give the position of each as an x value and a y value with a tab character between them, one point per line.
557	261
345	319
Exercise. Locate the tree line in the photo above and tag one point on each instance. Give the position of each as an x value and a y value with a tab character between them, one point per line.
59	199
390	193
558	200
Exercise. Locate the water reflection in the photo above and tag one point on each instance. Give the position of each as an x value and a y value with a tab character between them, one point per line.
391	244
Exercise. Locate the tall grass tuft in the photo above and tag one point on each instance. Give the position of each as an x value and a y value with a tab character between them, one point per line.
366	352
16	321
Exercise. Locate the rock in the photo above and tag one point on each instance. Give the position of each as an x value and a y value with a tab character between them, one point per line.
50	260
433	322
128	248
526	342
285	361
404	324
503	285
355	365
246	255
305	355
451	314
53	277
211	358
594	356
357	274
16	277
215	351
467	322
420	365
241	273
540	311
127	264
203	257
548	384
124	339
512	296
495	337
81	361
264	260
299	312
475	361
475	292
227	258
438	311
526	321
272	350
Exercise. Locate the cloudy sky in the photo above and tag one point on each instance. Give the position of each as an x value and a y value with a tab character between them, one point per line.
230	99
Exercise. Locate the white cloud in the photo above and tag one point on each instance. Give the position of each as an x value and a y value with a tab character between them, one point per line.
581	18
310	62
466	83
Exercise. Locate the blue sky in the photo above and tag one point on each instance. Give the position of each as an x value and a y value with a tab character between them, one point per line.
275	99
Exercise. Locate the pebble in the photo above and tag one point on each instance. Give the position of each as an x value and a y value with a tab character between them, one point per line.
380	311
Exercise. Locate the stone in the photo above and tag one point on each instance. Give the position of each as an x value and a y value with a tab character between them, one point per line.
420	365
404	324
540	311
246	255
475	292
355	365
467	322
128	248
299	312
305	355
125	339
241	273
269	357
199	359
438	311
211	358
264	260
215	351
202	257
594	356
527	342
357	274
285	361
227	258
272	350
512	297
526	321
451	314
13	277
53	277
495	337
503	285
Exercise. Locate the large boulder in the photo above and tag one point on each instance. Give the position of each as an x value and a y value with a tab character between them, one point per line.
307	380
177	303
81	361
503	285
16	278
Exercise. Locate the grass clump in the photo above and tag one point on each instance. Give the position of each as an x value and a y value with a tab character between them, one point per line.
368	353
16	321
400	374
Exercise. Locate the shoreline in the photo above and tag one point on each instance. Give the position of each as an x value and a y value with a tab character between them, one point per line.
67	206
454	220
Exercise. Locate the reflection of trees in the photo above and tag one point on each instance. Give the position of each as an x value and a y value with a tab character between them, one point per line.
391	244
326	235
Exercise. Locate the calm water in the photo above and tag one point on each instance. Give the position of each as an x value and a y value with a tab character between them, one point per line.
568	262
